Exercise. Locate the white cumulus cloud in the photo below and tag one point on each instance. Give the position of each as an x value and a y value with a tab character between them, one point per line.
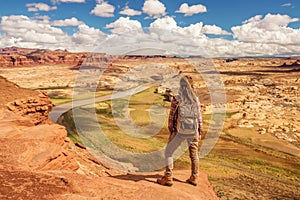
67	22
164	36
258	36
167	29
271	29
35	7
87	38
191	10
23	31
103	9
215	30
125	26
32	33
130	12
154	8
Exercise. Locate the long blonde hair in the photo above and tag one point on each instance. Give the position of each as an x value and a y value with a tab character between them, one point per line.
186	93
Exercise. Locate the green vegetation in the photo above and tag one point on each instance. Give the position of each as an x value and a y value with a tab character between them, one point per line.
138	106
67	121
57	99
240	168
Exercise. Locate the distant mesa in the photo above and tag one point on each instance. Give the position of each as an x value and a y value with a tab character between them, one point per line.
15	50
294	64
23	57
231	60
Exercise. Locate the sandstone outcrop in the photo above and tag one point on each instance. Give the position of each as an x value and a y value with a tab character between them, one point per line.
34	105
36	108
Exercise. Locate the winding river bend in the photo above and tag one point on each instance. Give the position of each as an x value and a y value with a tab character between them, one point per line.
57	111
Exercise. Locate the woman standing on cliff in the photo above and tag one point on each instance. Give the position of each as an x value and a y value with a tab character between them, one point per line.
185	123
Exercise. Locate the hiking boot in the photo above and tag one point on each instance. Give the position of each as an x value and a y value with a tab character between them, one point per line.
165	180
192	180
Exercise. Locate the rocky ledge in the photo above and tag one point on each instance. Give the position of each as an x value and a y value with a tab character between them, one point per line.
39	161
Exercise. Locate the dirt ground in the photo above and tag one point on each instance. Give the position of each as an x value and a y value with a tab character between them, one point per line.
8	92
31	185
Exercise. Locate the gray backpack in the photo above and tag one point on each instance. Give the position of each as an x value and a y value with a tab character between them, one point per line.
187	122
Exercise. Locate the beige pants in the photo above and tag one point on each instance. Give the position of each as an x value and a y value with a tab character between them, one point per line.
175	141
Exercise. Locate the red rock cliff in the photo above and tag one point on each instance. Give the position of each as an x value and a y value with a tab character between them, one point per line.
19	58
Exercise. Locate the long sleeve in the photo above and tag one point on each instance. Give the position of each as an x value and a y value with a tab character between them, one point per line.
199	117
172	116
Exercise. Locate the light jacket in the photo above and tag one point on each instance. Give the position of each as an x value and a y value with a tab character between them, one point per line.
173	116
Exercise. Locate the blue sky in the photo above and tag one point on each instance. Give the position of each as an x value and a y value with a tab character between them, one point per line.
222	14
